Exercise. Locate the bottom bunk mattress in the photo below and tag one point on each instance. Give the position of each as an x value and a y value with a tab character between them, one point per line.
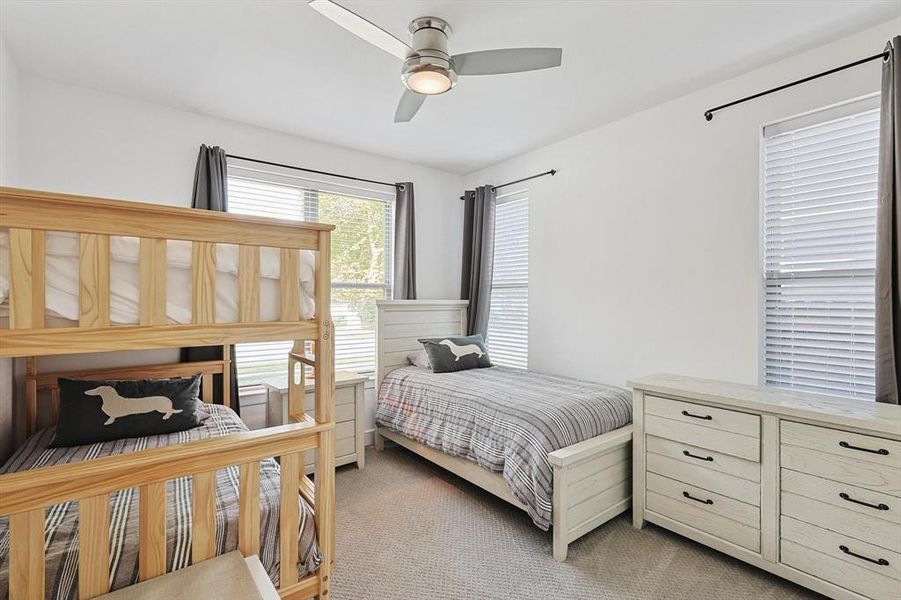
60	533
506	420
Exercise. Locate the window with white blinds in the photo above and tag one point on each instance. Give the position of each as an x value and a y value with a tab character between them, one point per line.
362	251
508	320
819	228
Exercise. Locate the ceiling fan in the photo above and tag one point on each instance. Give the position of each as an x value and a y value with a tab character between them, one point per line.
428	69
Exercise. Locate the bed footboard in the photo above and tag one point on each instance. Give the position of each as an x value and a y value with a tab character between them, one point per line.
592	484
25	496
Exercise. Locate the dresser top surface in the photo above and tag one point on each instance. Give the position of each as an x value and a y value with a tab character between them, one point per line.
873	416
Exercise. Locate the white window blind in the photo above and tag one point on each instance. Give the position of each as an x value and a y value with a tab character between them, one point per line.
508	321
819	250
362	252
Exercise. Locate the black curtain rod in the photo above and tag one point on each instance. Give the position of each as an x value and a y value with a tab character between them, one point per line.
274	164
552	172
708	114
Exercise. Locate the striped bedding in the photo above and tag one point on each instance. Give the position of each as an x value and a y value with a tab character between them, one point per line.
60	537
505	420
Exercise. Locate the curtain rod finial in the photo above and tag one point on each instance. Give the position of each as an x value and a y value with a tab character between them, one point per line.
708	115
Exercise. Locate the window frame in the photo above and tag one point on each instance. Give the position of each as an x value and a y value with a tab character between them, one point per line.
761	220
310	212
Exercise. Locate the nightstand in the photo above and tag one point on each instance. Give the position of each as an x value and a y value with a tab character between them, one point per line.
349	416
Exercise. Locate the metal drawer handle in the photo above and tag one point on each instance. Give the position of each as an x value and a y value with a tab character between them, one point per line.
879	506
881	451
690	497
687	453
876	561
705	417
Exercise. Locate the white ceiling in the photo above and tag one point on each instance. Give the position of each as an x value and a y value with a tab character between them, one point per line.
283	66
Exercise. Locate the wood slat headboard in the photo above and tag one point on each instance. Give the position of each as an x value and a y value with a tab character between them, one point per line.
402	322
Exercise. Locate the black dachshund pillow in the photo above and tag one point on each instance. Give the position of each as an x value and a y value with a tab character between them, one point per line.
97	410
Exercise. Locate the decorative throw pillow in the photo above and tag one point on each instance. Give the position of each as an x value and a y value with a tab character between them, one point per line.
456	353
98	411
419	359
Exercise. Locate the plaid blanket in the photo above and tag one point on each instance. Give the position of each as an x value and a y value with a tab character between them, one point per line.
60	533
505	420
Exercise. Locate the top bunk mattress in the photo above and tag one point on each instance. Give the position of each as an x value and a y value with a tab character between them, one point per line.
506	420
62	265
61	524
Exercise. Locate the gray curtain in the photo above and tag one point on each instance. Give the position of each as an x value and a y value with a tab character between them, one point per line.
404	243
211	193
478	255
888	234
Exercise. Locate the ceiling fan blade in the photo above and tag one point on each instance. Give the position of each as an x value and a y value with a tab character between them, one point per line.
362	28
408	106
507	60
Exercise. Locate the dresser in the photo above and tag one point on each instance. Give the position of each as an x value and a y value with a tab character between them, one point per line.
349	417
805	486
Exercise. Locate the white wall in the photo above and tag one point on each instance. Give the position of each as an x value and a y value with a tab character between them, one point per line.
644	248
81	141
9	172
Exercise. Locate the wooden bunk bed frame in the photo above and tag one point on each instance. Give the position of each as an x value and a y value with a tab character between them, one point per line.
592	479
24	496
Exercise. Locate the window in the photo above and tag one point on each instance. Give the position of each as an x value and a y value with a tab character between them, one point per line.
362	251
508	321
819	229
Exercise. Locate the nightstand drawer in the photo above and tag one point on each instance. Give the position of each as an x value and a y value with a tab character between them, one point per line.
343	395
704	416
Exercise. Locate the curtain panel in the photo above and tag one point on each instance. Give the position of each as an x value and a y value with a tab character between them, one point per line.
404	243
478	256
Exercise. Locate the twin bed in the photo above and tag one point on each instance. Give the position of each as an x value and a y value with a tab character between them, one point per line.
79	521
556	447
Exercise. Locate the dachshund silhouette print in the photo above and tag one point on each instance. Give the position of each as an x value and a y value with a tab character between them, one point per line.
115	406
461	351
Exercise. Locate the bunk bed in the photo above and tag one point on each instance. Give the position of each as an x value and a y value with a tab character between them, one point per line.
28	496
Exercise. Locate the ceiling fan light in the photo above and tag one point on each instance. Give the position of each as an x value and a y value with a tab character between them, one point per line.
428	83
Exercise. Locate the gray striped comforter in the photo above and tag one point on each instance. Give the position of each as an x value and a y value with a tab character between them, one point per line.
505	420
61	541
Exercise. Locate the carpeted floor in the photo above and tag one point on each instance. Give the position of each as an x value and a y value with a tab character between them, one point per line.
410	530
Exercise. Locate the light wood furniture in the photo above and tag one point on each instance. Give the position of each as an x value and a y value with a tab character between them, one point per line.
24	496
805	486
349	416
592	479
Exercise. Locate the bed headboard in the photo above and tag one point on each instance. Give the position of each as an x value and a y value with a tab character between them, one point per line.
402	322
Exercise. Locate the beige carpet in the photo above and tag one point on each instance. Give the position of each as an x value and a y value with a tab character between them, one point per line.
410	530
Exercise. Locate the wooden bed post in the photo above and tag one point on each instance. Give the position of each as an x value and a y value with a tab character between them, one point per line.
325	413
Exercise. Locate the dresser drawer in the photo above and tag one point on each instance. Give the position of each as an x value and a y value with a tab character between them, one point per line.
707	416
700	517
708	479
845	521
844	469
830	543
691	495
817	552
850	497
703	436
704	457
860	448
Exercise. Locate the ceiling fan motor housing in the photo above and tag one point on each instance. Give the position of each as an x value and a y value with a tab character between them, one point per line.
428	38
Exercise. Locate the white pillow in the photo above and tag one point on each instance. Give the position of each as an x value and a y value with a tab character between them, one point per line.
419	359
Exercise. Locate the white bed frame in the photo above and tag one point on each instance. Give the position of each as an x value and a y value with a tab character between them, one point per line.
592	479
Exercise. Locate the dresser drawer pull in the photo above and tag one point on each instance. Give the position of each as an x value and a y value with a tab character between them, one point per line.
876	561
705	417
690	497
687	453
881	451
879	506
